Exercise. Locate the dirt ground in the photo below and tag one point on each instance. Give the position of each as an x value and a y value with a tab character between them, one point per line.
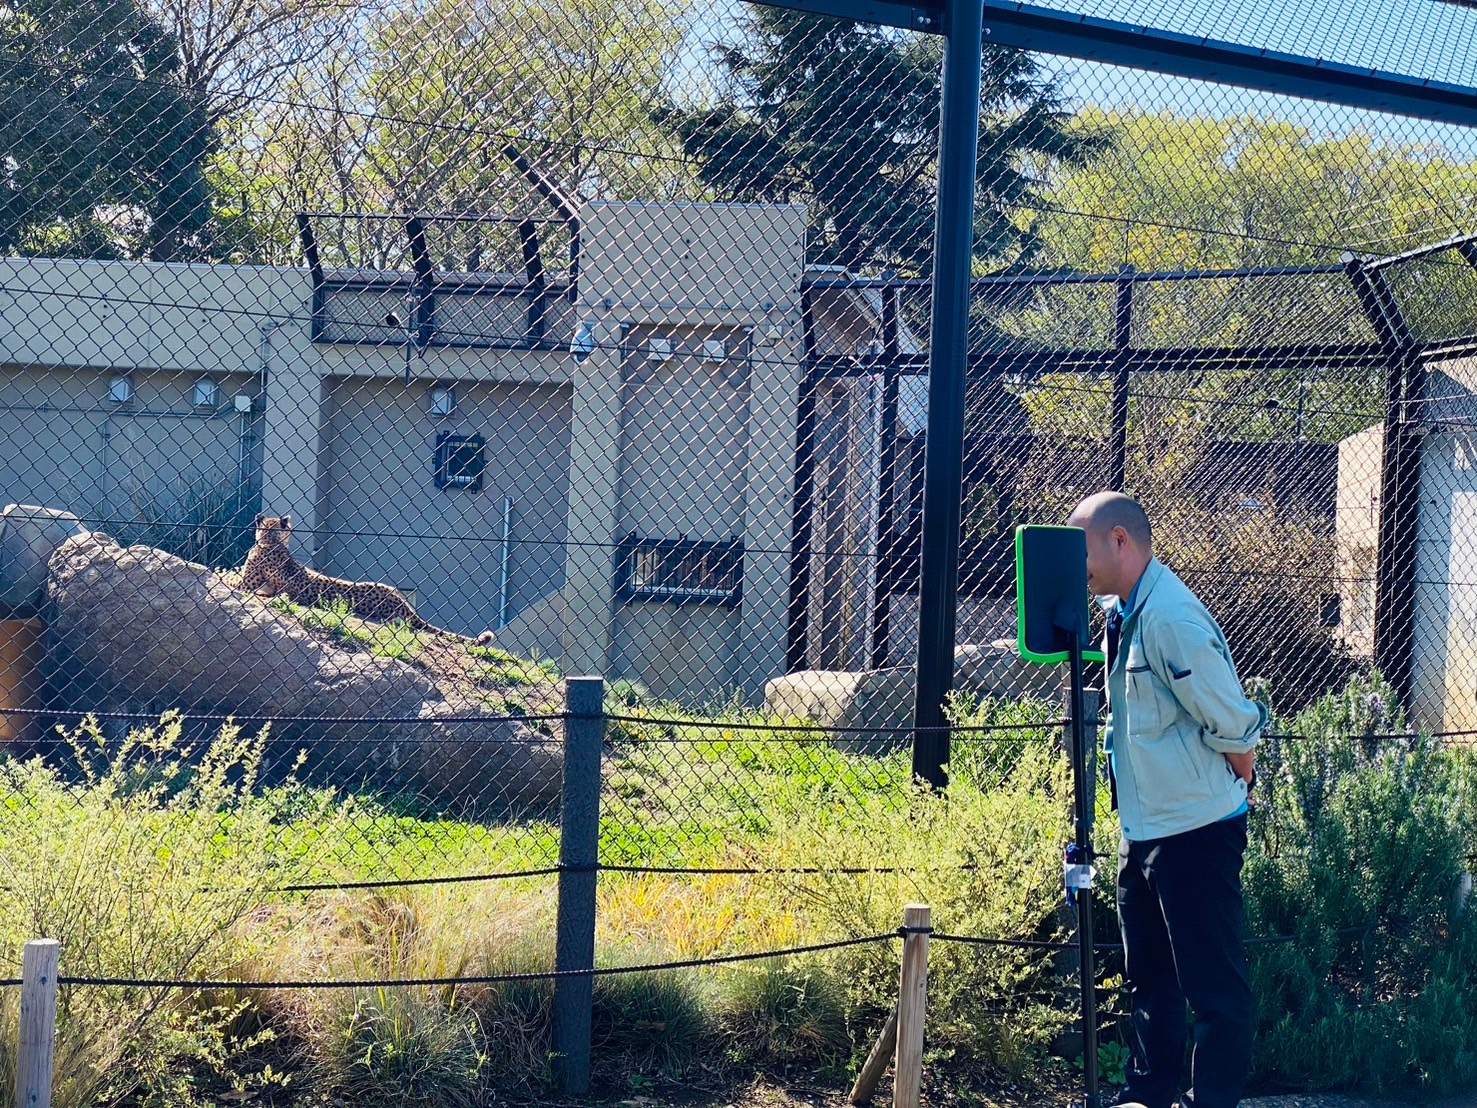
798	1091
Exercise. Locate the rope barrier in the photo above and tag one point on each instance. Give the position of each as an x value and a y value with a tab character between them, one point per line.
610	971
488	979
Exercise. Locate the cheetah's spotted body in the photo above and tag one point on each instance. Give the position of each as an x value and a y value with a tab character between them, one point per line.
271	570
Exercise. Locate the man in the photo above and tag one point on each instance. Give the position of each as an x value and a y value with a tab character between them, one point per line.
1180	739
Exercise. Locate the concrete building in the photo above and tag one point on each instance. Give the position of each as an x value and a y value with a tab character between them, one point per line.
1444	655
624	509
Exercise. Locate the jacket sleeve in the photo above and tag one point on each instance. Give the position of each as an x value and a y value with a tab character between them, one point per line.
1191	660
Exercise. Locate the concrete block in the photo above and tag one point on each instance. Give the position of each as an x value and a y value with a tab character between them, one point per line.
879	702
29	535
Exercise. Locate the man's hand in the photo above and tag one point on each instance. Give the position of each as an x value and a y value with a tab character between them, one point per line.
1243	765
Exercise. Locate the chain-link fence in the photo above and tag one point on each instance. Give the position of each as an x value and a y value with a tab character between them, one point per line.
369	368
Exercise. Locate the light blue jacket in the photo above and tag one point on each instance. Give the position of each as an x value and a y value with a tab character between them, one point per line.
1176	708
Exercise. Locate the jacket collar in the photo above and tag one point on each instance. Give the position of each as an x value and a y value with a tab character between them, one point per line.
1153	574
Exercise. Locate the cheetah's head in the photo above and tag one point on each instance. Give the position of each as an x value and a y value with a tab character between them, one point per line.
273	531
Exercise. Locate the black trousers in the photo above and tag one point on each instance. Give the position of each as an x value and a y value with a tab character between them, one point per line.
1180	909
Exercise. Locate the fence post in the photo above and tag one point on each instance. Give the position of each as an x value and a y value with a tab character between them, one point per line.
579	842
912	1003
37	1024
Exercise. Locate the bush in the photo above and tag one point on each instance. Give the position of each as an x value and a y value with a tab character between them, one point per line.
142	871
204	520
785	1012
1356	847
988	861
649	1023
382	1048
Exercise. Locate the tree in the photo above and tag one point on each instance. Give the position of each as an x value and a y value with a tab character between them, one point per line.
569	83
419	114
234	52
844	117
104	146
1182	193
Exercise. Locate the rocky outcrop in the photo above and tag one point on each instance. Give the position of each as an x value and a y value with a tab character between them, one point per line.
869	711
140	627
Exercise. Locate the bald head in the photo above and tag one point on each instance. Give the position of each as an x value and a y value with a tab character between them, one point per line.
1103	511
1119	542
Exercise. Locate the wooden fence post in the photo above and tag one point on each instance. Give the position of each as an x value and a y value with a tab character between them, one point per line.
38	1024
912	1003
877	1061
579	843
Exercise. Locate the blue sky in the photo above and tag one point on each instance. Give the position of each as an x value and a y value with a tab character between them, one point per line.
1420	38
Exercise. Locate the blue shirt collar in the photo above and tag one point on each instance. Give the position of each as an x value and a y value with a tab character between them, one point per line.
1125	608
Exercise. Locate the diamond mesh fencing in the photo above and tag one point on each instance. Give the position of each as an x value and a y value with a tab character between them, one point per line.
368	368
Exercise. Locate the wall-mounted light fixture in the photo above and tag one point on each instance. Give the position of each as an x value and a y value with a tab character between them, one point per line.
583	343
443	400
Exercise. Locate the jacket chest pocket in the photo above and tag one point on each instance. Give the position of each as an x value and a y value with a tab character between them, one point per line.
1149	710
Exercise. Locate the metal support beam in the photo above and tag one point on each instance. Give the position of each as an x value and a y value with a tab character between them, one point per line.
925	16
1122	341
803	504
533	269
1395	562
948	358
425	282
1073	35
315	268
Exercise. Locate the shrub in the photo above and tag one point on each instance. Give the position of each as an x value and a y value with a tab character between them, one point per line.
1355	851
204	520
399	1046
784	1012
988	861
142	870
649	1023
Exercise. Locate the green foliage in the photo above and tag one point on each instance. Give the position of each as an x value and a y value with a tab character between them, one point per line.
1112	1062
982	757
203	520
785	1012
988	861
187	839
844	116
501	669
1356	847
104	146
401	1046
396	640
649	1023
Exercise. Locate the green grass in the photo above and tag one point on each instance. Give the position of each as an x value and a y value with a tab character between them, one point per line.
1350	829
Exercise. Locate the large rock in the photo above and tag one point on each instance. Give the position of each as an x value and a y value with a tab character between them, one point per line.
869	711
140	627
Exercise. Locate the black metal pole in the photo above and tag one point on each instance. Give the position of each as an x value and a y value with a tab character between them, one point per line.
948	355
801	529
1083	804
1122	340
1395	557
886	519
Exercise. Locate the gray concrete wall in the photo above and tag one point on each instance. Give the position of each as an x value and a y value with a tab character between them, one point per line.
64	444
384	519
588	450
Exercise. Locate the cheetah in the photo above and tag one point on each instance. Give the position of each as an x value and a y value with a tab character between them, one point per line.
270	570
